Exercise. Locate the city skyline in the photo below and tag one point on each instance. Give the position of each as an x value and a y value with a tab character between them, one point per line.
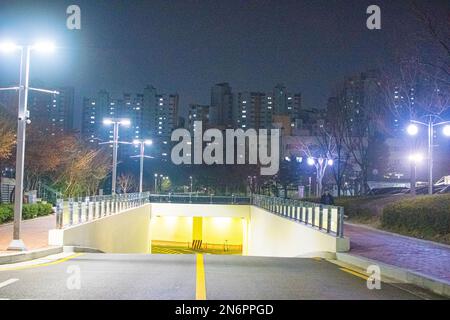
91	56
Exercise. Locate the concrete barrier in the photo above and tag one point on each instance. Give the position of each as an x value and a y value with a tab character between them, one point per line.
263	233
125	232
275	236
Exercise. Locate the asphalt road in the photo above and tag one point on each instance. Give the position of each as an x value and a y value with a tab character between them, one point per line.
126	276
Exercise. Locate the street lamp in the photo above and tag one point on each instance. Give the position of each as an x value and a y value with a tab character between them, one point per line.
413	129
23	120
414	160
142	144
115	143
190	177
321	165
156	182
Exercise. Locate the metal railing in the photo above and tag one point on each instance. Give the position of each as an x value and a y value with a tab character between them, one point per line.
74	211
326	218
196	199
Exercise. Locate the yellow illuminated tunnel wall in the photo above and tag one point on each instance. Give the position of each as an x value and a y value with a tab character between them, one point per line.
172	228
217	230
212	230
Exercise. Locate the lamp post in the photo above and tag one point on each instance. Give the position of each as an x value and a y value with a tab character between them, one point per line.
432	122
321	165
115	142
141	144
190	177
23	119
156	182
414	159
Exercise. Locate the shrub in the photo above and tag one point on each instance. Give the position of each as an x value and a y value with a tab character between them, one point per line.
425	216
6	213
355	207
29	211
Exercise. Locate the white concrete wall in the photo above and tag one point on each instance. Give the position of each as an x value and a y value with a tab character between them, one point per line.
125	232
263	233
271	235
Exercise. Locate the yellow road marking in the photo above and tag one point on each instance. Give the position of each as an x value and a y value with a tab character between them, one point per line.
355	273
43	264
200	292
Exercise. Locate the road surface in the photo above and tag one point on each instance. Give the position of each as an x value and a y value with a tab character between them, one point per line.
128	276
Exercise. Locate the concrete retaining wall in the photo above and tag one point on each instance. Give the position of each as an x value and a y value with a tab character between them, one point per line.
263	233
125	232
271	235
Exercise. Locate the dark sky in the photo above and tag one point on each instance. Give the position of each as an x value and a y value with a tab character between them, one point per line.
186	46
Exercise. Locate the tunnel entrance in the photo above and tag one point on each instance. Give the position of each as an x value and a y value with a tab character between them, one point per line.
190	235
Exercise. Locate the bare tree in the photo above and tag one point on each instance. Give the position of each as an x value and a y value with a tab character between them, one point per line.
126	182
323	152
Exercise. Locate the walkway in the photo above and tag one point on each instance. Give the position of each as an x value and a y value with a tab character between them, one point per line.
416	255
34	232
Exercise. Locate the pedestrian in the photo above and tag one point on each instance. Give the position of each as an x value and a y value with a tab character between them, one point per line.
324	199
330	199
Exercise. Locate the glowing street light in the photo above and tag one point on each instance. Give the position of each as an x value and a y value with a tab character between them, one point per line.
23	120
142	144
321	165
412	129
432	122
446	130
415	158
8	47
115	143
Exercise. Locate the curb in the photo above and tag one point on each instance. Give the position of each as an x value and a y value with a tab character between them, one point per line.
435	285
29	255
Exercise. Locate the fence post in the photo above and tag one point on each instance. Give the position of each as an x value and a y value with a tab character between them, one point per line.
329	212
340	224
80	210
59	213
71	211
320	217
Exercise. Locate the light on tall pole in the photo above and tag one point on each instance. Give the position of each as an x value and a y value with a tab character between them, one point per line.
413	130
142	144
156	182
23	119
414	159
115	143
321	165
191	182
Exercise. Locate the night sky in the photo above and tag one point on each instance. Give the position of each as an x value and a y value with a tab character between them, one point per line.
187	46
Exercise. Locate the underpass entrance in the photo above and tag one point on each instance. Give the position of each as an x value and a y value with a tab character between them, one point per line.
189	235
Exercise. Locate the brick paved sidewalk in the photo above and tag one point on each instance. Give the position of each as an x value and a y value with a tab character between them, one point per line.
34	232
421	256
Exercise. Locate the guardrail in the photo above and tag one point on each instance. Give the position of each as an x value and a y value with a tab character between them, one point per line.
327	218
74	211
192	198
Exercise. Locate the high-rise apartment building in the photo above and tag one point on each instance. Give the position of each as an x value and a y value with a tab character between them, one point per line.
152	116
221	110
197	112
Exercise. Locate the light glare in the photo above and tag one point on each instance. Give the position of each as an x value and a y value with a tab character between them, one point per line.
412	129
446	130
44	46
8	47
